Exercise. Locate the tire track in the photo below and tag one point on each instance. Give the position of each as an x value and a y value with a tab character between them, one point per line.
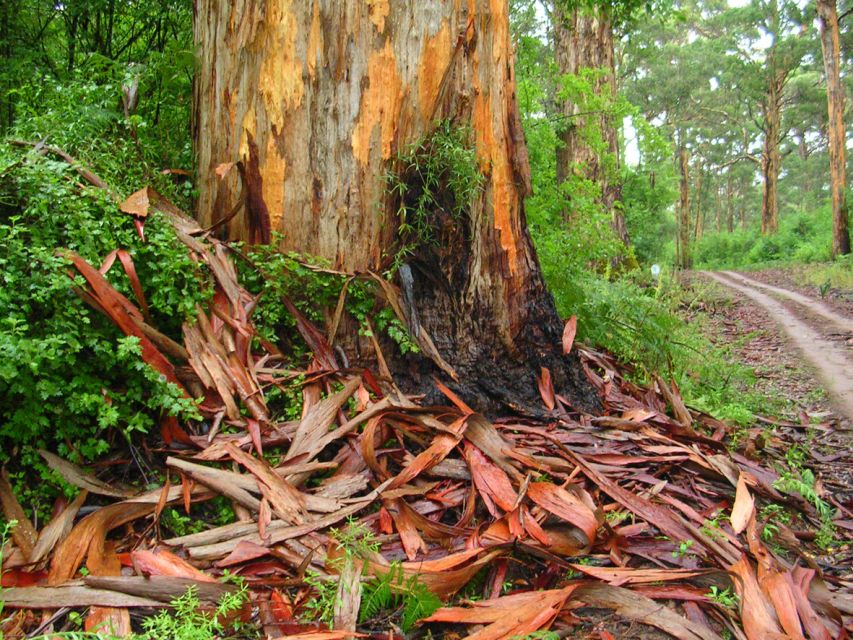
833	365
842	322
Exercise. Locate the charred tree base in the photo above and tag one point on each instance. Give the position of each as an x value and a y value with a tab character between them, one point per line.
496	371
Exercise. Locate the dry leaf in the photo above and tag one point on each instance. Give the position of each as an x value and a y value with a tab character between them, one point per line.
744	507
137	203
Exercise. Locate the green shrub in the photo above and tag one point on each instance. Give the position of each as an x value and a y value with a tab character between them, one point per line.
69	381
803	237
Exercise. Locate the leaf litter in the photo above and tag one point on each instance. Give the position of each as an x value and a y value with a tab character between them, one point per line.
518	525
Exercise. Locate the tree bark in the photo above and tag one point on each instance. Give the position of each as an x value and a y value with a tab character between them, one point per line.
829	40
313	100
684	209
583	39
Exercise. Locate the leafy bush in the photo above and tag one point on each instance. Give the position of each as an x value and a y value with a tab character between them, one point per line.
189	621
68	380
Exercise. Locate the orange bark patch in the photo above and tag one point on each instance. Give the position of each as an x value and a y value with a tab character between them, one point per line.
280	80
378	10
500	20
435	57
274	170
380	105
248	127
315	43
492	151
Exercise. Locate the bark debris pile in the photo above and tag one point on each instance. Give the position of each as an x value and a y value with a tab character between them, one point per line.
638	510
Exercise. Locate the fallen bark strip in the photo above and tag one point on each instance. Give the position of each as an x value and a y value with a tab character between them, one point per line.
160	588
72	595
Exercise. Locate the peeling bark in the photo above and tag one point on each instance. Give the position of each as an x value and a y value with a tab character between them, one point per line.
318	97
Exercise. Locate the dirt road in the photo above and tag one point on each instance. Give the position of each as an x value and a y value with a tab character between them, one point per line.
819	333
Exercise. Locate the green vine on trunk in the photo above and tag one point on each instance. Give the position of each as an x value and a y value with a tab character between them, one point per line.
433	182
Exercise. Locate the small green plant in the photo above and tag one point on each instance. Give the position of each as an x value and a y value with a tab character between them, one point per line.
383	592
538	635
711	528
187	621
436	176
682	549
393	590
723	597
801	481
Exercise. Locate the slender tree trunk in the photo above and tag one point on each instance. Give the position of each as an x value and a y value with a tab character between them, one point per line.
771	158
312	100
730	204
584	40
684	209
697	227
829	40
718	207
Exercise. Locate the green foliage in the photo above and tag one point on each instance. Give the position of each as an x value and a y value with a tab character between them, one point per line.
188	621
682	549
724	597
434	179
803	237
772	514
800	480
69	381
66	376
393	590
538	635
385	592
312	287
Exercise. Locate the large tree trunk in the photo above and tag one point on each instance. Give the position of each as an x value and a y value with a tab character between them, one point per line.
684	260
313	99
829	40
584	40
771	157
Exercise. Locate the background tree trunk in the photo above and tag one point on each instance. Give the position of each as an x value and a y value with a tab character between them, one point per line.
730	205
313	99
684	209
583	39
771	158
699	216
829	40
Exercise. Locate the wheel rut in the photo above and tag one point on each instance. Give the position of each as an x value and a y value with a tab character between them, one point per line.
831	360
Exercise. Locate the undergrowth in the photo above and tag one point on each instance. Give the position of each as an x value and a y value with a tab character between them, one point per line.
67	381
433	182
650	324
186	619
803	237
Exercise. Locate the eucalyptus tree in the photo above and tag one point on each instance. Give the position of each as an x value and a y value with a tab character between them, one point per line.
831	47
766	41
334	131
